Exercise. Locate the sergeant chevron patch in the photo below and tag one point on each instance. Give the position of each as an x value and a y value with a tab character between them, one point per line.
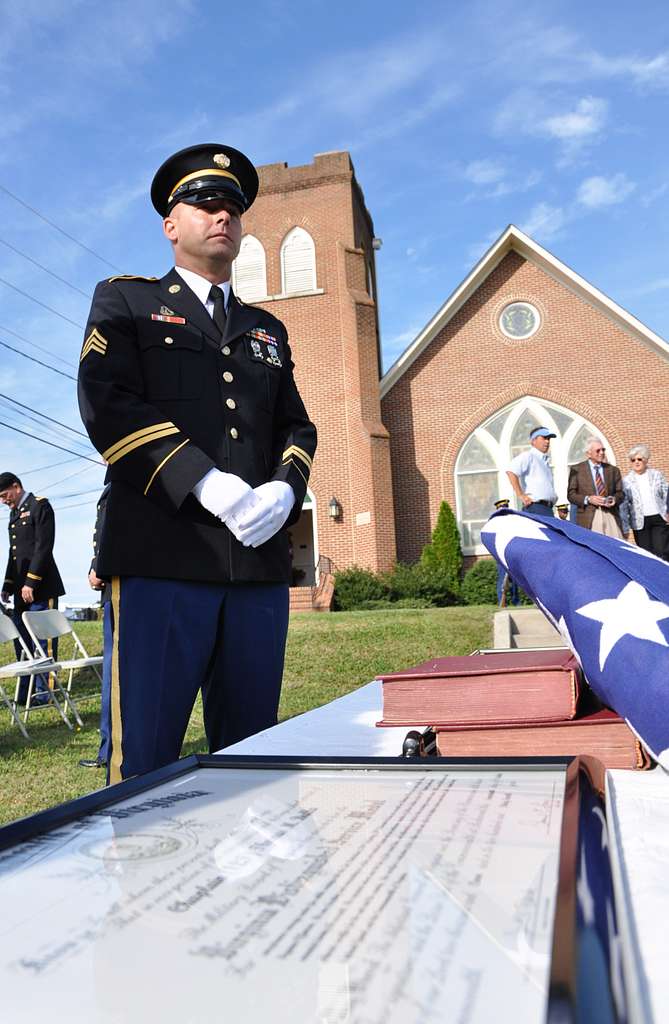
95	342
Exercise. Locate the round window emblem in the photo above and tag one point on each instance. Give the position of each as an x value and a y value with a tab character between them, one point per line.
519	320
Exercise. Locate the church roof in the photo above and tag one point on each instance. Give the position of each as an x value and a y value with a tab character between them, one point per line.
513	239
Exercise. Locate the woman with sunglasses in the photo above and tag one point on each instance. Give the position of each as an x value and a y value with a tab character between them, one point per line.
645	505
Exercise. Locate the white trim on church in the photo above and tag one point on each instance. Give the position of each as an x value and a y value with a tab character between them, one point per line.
514	239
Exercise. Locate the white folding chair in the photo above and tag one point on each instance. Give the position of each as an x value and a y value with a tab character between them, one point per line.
27	665
52	624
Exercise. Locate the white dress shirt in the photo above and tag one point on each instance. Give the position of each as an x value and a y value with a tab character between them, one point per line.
202	287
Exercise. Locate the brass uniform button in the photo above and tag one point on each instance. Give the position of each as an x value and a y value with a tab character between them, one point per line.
234	433
169	341
174	288
226	350
231	404
227	377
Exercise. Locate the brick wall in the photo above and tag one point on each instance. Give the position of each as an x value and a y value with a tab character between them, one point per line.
579	359
335	344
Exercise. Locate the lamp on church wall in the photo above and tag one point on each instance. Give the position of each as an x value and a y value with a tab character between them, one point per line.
334	508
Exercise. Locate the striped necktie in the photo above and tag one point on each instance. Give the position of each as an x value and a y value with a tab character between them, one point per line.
600	486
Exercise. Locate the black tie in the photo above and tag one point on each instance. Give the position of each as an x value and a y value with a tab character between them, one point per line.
218	298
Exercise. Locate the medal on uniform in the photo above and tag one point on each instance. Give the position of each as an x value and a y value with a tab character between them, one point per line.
273	356
168	319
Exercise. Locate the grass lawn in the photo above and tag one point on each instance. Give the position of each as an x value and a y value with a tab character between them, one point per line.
328	655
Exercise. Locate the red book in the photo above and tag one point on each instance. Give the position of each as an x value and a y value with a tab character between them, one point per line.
603	735
479	689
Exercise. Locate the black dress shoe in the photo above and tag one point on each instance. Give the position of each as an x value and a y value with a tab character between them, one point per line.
92	763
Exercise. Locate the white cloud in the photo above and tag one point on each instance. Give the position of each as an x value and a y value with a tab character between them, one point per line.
585	120
528	112
644	71
598	191
544	222
484	172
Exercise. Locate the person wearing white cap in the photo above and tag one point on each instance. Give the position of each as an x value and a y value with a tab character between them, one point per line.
531	475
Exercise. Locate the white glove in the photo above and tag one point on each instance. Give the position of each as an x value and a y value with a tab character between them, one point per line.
220	492
266	518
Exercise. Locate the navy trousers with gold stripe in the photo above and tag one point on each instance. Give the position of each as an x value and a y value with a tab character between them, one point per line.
173	638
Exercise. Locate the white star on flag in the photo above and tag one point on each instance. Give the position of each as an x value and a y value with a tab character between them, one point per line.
563	629
508	528
634	549
631	613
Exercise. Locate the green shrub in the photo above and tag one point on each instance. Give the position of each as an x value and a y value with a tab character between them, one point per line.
444	552
355	586
480	583
420	585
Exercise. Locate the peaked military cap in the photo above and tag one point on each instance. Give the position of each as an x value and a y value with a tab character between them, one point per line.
199	173
502	503
7	479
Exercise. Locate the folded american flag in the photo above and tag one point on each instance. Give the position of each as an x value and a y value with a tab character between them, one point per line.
609	600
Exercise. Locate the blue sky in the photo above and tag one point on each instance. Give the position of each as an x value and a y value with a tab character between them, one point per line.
460	118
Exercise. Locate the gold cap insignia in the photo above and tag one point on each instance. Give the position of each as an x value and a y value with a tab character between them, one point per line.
174	288
221	160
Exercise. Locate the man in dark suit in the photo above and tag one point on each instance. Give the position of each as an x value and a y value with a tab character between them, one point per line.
32	576
595	484
189	395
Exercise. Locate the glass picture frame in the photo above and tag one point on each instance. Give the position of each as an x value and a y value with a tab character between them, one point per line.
330	890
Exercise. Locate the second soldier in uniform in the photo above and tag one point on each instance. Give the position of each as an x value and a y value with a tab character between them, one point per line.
189	396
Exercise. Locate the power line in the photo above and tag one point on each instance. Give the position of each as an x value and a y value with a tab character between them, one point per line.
57	228
43	415
45	429
51	444
46	270
61	508
77	494
52	465
40	303
77	504
33	344
55	483
38	361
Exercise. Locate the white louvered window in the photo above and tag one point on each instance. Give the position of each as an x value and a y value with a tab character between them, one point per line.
298	262
249	271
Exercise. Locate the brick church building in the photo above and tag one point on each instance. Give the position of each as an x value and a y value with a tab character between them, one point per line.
522	341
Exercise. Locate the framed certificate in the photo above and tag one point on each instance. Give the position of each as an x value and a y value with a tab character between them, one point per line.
237	888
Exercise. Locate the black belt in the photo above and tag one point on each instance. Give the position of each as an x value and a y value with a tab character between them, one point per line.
541	501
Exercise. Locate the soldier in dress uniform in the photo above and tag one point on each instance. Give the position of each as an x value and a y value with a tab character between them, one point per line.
32	576
189	396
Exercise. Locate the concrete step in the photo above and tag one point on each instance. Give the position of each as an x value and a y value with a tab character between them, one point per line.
522	640
524	627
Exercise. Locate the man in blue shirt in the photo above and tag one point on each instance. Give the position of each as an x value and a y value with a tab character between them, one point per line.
531	475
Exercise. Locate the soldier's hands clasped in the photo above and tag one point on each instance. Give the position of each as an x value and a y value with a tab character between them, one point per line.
220	492
275	500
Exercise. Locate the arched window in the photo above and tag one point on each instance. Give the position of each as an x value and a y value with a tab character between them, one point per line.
249	271
481	465
298	262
